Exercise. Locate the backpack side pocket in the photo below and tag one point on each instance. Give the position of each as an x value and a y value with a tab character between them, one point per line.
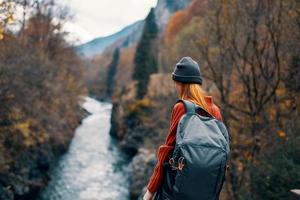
221	177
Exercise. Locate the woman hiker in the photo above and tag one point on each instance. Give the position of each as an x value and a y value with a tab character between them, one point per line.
188	81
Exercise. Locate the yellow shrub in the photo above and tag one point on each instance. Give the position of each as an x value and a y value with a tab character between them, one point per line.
140	105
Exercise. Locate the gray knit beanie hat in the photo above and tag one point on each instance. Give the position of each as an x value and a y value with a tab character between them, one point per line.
187	71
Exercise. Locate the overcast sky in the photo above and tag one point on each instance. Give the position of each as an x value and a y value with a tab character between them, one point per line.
96	18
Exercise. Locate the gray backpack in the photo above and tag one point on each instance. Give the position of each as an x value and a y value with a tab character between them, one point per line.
196	169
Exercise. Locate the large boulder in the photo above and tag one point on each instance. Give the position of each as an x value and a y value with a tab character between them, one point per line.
142	166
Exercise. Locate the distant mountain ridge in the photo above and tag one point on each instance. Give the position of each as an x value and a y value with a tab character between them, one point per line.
129	34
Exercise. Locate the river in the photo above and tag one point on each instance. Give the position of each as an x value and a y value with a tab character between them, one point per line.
93	168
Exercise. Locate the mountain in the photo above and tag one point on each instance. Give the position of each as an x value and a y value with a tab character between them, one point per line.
126	36
131	34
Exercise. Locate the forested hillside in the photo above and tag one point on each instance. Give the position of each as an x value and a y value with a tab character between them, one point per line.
40	87
249	54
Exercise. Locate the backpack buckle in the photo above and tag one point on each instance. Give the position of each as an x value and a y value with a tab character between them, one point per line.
180	163
171	162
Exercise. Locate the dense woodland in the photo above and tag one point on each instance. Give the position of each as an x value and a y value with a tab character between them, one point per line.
40	89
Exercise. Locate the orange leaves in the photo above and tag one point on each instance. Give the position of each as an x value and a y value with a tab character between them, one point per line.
281	134
181	18
175	24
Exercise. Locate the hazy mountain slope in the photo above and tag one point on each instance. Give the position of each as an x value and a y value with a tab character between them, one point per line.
129	34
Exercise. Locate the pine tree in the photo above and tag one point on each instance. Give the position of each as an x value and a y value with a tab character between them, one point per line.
112	69
145	61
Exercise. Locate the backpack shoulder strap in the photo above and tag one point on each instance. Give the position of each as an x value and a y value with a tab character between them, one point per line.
189	106
192	107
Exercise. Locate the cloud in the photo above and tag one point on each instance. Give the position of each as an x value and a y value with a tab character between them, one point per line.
96	18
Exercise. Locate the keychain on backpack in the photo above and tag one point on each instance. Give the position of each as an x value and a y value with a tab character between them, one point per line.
180	163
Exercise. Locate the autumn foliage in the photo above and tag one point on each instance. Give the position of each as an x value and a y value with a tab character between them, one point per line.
181	18
40	86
